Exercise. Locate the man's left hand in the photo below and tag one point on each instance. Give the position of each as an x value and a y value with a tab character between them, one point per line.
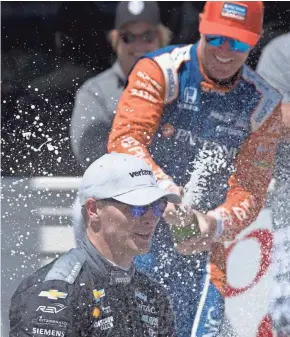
203	242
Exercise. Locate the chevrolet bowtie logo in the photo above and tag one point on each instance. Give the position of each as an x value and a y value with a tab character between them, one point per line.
53	294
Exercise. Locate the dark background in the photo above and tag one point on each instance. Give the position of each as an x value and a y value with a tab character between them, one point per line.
31	60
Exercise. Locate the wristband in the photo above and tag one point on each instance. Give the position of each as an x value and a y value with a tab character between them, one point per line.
220	224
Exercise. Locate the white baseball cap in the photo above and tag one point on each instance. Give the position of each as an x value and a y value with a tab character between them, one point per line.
122	177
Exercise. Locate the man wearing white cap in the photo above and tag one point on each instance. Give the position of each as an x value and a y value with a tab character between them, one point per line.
94	290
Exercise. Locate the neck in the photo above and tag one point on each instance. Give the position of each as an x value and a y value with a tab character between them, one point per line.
228	82
109	251
125	69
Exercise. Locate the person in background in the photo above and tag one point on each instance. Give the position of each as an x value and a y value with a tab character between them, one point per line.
274	67
138	30
94	290
207	124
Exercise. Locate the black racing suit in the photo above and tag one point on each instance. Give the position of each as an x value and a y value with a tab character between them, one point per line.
82	294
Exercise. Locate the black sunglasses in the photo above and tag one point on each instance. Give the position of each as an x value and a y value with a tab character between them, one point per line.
148	36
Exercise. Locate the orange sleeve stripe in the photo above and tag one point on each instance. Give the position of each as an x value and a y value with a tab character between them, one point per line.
249	184
218	278
218	259
139	113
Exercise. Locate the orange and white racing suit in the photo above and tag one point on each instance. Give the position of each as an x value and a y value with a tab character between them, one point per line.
180	122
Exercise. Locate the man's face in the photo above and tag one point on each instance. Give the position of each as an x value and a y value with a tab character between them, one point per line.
136	39
221	62
127	234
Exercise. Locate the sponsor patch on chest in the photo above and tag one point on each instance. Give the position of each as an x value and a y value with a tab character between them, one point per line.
105	323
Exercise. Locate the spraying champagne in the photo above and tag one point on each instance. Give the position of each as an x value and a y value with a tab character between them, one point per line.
206	164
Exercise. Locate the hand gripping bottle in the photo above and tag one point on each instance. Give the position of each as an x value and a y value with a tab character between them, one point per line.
186	227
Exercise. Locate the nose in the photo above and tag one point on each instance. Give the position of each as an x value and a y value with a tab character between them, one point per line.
139	46
225	47
148	215
150	218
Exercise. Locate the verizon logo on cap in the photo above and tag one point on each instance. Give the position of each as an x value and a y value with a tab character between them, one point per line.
141	173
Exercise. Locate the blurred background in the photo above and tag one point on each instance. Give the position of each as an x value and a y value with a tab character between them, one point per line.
40	78
48	50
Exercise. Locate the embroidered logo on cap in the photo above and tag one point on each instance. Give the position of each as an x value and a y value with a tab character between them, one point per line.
234	11
136	7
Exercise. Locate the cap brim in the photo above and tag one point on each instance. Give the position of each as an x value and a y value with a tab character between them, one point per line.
147	195
213	28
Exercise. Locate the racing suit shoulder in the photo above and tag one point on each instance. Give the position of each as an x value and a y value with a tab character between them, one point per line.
269	100
67	267
170	59
53	306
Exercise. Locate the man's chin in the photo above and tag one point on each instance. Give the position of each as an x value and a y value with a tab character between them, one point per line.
222	76
142	249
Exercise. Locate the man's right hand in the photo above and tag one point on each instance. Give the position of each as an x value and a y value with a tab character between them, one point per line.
180	217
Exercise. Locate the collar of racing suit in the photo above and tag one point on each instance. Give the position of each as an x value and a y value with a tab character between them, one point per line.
104	268
210	85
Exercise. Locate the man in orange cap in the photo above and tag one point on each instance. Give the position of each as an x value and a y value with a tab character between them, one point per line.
207	125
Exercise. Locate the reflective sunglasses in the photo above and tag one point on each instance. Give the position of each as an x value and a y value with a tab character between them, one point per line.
158	207
236	45
148	37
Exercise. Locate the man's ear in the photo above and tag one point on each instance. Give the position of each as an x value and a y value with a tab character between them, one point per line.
93	210
113	37
91	207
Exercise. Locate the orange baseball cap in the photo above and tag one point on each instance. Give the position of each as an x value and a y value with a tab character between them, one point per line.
241	20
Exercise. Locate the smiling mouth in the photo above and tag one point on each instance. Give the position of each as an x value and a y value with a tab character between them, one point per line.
223	60
143	235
